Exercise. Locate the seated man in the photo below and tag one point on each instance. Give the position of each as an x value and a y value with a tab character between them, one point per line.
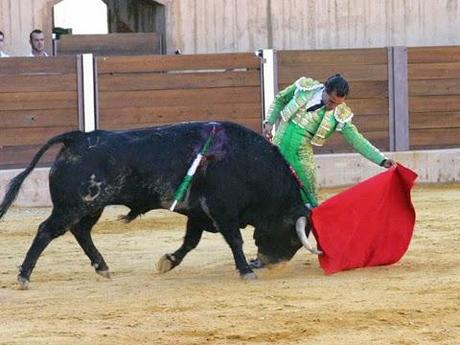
37	43
2	45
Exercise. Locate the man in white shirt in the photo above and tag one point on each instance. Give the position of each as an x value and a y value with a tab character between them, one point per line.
2	44
37	43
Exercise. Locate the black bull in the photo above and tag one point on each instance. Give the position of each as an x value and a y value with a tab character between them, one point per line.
243	180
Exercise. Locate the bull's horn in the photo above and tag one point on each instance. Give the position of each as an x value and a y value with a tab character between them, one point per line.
300	228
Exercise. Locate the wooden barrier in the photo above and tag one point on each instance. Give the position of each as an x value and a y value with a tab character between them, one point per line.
154	90
367	72
139	43
434	90
38	99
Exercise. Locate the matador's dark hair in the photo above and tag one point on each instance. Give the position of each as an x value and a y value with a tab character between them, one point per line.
338	84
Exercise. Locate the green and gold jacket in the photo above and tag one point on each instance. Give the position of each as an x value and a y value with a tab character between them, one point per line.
291	105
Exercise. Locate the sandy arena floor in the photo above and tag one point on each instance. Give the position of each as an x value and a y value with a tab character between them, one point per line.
203	301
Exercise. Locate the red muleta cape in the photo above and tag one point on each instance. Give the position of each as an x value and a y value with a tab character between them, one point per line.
369	224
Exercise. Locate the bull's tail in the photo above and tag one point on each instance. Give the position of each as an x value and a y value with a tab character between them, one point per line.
15	184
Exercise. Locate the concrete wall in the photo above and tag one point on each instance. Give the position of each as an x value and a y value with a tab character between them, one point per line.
210	26
434	166
35	189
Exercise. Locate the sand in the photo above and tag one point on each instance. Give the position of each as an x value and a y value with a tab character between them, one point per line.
203	301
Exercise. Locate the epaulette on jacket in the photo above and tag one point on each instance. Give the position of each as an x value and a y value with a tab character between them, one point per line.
343	113
307	84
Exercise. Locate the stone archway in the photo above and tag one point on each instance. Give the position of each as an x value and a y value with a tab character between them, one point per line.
123	16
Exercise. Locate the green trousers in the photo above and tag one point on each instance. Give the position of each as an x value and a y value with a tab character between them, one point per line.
294	144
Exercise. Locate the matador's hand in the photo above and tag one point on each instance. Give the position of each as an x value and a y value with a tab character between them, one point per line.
388	163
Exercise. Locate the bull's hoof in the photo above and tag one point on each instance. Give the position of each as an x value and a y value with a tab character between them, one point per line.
166	263
23	283
248	276
104	273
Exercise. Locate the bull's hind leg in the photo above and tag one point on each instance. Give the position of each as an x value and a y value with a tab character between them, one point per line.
191	240
55	226
82	233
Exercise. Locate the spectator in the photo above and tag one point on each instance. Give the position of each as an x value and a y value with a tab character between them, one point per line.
2	45
37	43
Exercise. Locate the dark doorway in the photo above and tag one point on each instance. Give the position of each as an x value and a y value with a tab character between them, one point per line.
137	16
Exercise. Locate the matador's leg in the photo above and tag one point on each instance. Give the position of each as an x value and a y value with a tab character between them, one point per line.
294	144
308	173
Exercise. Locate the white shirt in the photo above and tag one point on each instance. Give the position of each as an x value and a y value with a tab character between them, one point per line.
317	98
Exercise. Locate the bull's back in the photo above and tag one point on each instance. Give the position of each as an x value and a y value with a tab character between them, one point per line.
150	163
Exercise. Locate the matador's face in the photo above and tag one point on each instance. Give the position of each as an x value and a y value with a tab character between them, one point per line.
332	100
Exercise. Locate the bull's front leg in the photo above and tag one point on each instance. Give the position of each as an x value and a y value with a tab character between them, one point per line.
191	240
224	217
234	239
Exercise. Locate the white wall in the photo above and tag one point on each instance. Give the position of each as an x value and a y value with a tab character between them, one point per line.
202	26
207	26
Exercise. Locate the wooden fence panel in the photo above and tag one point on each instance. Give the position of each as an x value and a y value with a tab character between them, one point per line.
434	90
37	66
137	43
155	90
367	72
158	63
38	100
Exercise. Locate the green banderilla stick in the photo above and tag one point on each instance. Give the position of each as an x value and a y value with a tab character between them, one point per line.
185	184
